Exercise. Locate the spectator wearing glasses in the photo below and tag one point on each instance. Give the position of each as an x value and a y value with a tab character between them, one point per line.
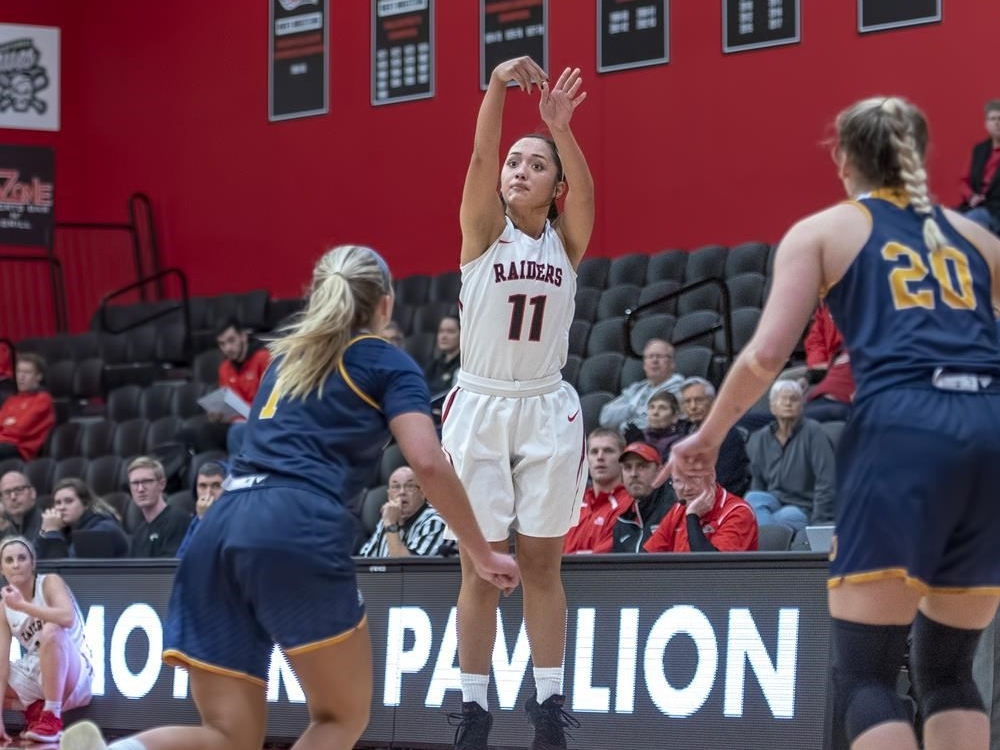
21	515
630	405
409	525
27	417
162	527
733	467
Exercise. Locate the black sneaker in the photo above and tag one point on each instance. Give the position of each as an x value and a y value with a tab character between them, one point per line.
550	722
474	725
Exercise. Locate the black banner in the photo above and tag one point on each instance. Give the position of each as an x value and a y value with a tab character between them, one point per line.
298	54
509	29
402	50
877	15
752	24
27	196
632	34
729	650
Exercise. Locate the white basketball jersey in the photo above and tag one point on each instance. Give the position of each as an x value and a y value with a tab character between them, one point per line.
517	304
28	630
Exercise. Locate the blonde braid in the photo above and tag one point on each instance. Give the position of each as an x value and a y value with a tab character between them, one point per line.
911	169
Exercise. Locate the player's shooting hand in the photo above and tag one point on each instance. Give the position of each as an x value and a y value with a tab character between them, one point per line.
521	70
559	101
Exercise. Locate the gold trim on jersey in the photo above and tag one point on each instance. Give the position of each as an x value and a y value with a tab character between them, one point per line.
174	658
895	196
332	640
347	378
878	575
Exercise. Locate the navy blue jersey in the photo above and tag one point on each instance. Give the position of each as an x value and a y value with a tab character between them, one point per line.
334	440
904	311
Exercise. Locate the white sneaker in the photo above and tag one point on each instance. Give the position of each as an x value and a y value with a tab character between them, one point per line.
83	735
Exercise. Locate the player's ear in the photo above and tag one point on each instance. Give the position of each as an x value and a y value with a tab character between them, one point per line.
560	188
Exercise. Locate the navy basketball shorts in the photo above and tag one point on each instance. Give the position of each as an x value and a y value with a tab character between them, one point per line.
269	564
918	472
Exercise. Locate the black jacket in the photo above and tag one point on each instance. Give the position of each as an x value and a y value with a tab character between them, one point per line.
638	523
53	545
980	155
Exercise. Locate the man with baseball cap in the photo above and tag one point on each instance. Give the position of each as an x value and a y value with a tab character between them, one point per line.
640	463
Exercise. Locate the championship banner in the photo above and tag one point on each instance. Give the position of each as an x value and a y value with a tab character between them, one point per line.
402	50
632	34
879	15
752	24
298	58
509	29
29	77
27	190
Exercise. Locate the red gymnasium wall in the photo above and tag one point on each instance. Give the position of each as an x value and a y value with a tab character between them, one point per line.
171	98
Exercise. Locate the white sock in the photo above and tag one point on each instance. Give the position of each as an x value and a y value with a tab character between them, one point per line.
55	707
474	688
548	682
129	743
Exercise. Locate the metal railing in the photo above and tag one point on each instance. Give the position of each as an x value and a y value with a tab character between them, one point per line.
725	322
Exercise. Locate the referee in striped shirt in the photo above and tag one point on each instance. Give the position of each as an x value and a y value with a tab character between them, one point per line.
409	525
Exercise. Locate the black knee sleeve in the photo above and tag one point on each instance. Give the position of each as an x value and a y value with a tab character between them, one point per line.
867	660
941	667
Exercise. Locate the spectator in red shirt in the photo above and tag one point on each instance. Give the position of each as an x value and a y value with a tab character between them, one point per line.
245	360
27	417
706	518
604	500
244	365
829	368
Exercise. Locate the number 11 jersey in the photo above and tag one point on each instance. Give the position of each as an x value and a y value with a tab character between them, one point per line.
516	306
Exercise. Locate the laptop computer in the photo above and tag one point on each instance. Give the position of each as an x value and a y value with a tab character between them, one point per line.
90	543
820	537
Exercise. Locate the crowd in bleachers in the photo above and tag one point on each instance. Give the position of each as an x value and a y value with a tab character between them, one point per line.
135	392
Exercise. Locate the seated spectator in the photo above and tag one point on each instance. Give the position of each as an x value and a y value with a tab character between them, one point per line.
981	186
28	416
832	392
393	333
162	528
706	518
8	386
604	500
733	466
208	488
244	361
440	372
791	465
663	428
630	405
76	507
41	613
409	525
21	515
640	465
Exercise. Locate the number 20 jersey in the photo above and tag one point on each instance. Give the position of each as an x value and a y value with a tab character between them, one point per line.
517	304
904	312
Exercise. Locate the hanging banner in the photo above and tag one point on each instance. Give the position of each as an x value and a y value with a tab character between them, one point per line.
753	24
632	34
29	77
298	59
509	29
27	191
402	50
878	15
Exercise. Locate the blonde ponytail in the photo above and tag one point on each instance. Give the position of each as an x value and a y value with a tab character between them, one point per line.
348	283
